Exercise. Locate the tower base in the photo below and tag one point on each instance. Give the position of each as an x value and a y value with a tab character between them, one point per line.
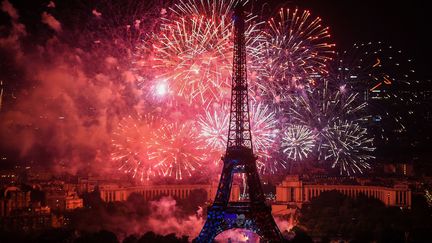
244	215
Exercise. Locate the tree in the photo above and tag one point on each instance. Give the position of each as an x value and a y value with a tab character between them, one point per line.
131	239
301	236
102	236
170	238
362	219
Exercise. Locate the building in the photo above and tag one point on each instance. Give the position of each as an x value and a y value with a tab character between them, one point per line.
113	192
26	221
61	200
39	174
399	169
56	199
8	177
18	213
13	199
293	193
72	201
89	183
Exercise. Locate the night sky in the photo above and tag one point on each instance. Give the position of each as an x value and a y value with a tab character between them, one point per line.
403	24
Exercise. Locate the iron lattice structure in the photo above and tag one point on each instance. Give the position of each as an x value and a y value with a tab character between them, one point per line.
254	214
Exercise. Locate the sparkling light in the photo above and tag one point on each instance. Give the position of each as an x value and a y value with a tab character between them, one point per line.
193	50
161	88
298	142
175	150
296	50
337	118
348	146
130	145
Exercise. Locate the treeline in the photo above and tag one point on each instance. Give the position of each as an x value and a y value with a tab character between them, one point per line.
71	236
334	216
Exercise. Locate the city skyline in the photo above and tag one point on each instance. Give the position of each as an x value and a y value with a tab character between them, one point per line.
294	121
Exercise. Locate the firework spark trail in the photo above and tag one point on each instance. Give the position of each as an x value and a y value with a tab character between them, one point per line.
324	105
296	48
214	129
175	150
194	49
373	65
349	147
123	25
376	68
130	145
342	143
298	142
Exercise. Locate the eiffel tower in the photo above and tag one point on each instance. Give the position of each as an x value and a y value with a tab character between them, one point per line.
253	215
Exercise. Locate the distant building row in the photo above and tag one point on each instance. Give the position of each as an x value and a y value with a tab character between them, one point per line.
294	192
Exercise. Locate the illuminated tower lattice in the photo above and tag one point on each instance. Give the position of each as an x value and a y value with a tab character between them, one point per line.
254	214
1	94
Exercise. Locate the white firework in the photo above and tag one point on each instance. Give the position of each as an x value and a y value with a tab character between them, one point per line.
298	142
347	145
214	128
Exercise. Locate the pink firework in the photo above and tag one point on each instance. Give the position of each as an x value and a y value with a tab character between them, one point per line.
214	130
214	127
193	50
176	151
297	50
264	126
130	145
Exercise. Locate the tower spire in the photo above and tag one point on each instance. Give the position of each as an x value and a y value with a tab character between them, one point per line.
254	214
239	134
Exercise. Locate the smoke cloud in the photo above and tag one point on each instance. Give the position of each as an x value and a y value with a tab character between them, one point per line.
137	216
65	99
164	219
7	7
52	22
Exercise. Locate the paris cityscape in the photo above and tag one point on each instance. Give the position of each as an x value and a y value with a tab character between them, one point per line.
215	121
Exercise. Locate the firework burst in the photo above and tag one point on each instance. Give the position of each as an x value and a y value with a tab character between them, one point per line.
176	151
298	142
214	130
264	133
263	126
322	109
194	49
130	147
325	104
348	146
296	49
214	127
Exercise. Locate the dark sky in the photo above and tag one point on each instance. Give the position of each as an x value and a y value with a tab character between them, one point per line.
403	24
400	23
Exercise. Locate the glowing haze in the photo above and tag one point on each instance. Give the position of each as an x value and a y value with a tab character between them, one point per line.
144	89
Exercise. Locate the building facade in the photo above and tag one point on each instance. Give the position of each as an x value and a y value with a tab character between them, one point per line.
13	199
113	192
294	192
